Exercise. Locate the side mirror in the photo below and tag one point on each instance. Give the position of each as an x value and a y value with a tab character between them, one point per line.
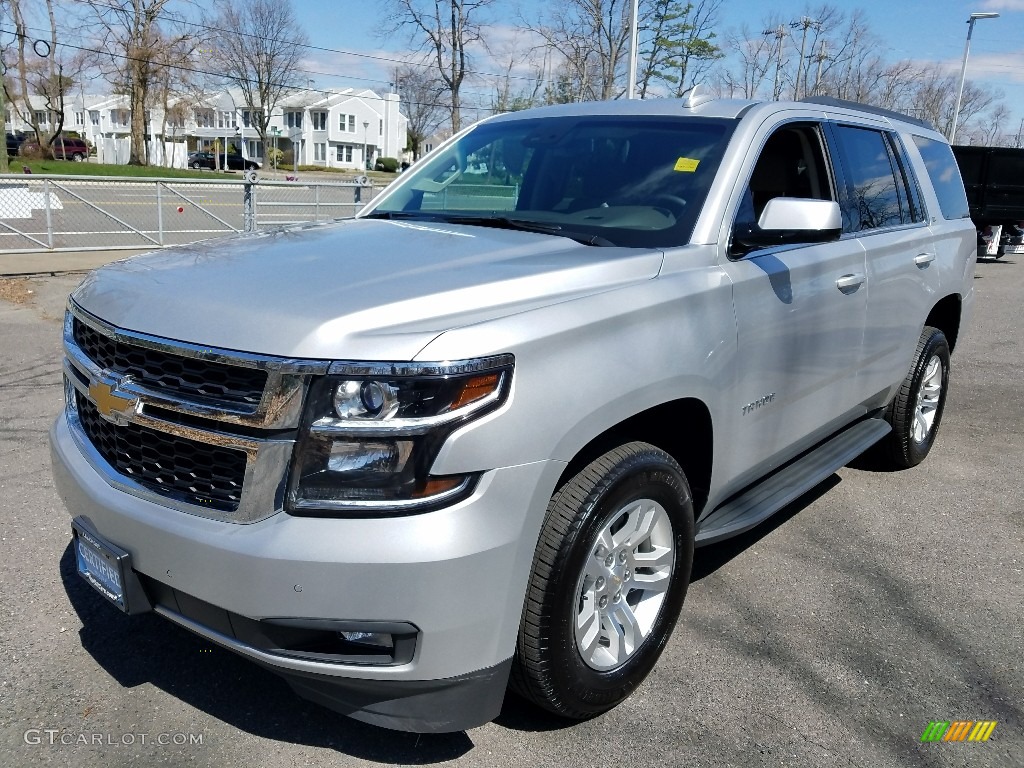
789	221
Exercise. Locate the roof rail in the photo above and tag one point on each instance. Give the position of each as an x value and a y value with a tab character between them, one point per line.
831	101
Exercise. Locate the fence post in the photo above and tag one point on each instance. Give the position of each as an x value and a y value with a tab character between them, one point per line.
249	202
316	203
159	214
49	220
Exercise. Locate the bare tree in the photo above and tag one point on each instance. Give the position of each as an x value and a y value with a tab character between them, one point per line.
510	98
448	29
259	46
421	92
753	55
133	35
593	37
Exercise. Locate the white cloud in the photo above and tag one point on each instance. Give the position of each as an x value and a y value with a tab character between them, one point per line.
1003	5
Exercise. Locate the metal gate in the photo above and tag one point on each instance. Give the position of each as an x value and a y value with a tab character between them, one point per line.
83	213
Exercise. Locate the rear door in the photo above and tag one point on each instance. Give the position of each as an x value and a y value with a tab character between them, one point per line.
885	211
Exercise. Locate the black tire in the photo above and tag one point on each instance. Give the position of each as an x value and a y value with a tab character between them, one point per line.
77	157
549	668
197	165
902	448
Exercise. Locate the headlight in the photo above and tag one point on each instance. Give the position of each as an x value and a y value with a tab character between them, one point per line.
371	431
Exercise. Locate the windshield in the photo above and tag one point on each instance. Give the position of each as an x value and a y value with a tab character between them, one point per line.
608	180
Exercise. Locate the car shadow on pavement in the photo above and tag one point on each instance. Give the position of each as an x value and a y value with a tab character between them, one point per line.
230	688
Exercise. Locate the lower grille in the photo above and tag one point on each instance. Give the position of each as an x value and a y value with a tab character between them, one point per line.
183	469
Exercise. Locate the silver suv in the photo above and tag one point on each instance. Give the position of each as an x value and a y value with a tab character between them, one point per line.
471	437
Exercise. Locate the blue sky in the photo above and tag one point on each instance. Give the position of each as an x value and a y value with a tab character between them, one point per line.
912	29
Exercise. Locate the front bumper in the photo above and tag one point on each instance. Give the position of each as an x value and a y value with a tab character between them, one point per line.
457	575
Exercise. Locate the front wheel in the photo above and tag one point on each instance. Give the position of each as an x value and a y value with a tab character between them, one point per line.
609	578
916	410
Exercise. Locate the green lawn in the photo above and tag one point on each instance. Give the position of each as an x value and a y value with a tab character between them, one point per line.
71	168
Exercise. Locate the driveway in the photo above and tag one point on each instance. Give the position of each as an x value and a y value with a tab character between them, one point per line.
831	636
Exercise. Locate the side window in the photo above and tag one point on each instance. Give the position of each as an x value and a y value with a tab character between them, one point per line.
945	177
791	164
878	199
915	212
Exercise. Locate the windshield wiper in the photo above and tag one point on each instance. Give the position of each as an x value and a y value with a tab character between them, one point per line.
528	225
401	215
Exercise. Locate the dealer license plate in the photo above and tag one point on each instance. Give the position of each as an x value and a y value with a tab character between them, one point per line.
101	566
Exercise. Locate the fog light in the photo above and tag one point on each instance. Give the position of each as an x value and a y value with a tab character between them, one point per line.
375	639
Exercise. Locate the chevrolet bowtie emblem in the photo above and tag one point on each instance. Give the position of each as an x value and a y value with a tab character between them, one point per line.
111	404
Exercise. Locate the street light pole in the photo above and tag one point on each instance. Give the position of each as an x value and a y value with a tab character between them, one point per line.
963	68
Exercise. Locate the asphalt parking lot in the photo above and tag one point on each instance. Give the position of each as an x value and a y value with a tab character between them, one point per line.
830	636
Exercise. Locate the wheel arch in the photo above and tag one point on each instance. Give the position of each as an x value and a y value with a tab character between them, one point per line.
945	316
682	428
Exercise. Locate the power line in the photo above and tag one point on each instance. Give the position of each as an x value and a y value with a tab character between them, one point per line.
292	88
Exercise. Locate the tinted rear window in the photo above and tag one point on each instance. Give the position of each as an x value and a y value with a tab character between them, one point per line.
945	176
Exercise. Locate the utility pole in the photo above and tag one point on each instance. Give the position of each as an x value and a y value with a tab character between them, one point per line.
780	34
819	57
806	22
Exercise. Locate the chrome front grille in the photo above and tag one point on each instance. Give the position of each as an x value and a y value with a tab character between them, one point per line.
174	374
201	430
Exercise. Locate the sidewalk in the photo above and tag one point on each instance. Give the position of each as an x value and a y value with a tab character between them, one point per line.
13	264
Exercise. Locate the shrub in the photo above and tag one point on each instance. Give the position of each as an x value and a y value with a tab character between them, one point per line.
274	156
388	164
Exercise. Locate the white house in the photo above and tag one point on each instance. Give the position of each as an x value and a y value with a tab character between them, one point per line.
335	129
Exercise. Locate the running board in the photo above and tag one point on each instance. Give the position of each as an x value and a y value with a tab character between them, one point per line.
789	483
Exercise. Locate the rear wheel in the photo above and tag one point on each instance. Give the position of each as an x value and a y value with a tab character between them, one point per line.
916	410
609	577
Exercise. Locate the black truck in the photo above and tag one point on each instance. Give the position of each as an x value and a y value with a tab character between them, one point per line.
994	180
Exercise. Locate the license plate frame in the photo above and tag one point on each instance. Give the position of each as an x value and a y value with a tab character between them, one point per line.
104	566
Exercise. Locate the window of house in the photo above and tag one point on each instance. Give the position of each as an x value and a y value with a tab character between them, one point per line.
344	153
119	118
293	119
204	118
319	120
226	119
351	123
79	118
42	117
319	152
380	128
94	117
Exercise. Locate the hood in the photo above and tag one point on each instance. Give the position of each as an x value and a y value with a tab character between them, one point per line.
360	289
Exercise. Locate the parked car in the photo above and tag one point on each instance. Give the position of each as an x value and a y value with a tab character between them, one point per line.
61	148
14	142
235	162
471	437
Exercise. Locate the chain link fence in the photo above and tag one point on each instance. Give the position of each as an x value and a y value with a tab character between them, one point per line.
82	213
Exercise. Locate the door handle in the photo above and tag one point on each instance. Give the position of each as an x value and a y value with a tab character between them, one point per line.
850	283
924	259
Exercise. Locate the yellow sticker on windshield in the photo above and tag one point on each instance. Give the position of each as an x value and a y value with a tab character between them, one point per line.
687	164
